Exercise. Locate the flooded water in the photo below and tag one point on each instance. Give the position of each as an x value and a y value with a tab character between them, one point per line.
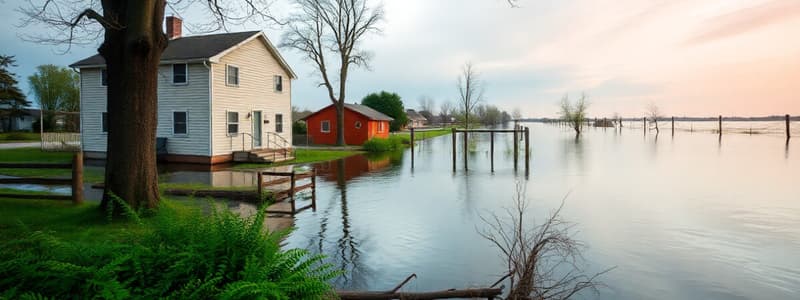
685	216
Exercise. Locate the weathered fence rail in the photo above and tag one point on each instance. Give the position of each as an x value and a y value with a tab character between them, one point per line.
288	194
76	180
519	133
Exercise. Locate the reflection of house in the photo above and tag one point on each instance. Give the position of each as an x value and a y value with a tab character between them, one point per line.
350	167
361	124
415	119
217	94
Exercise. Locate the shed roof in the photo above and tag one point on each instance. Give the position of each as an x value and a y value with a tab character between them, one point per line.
359	109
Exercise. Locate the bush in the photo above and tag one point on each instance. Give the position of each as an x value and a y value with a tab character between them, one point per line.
299	127
181	255
21	136
383	145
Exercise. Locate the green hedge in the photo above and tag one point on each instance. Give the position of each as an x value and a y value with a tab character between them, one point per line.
394	142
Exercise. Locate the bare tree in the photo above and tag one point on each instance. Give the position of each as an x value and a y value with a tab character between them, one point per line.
543	260
470	90
653	113
132	43
617	119
324	28
574	114
426	104
516	114
445	111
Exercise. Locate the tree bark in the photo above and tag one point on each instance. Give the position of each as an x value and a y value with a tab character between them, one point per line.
132	56
340	123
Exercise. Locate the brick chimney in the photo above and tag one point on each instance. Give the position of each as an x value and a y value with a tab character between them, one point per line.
174	26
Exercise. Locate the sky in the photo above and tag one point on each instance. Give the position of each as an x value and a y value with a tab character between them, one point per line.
688	57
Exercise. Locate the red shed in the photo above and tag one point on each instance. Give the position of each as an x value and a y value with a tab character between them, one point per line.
361	124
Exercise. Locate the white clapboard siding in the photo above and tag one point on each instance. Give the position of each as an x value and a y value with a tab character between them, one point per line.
257	67
191	97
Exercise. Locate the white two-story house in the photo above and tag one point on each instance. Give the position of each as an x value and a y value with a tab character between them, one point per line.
217	94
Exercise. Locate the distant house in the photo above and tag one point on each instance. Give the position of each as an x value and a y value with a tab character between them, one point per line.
20	120
361	123
217	94
415	119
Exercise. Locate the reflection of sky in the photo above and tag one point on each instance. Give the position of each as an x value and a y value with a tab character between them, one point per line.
683	216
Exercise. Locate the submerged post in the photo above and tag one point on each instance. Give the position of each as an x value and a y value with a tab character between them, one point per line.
644	124
466	145
788	129
77	178
491	149
412	147
291	191
454	148
314	189
516	146
527	150
720	124
673	125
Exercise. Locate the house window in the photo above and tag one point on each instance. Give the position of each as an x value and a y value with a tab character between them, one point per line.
325	126
380	126
278	83
179	122
104	122
232	75
233	122
278	123
179	73
104	77
358	124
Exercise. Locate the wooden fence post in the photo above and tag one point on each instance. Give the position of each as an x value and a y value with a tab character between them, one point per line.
516	146
527	150
673	125
466	146
720	124
77	178
412	147
644	124
491	149
788	129
260	183
454	148
314	189
291	191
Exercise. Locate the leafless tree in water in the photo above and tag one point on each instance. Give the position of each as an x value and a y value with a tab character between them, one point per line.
574	114
544	260
653	113
470	91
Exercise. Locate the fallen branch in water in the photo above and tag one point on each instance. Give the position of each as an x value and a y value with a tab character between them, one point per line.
489	293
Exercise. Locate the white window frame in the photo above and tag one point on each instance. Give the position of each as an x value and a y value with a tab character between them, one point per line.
322	126
358	124
238	75
228	123
380	126
186	123
275	80
186	74
279	123
104	120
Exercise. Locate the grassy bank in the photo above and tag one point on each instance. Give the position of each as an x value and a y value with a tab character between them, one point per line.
423	134
304	156
15	137
53	249
36	155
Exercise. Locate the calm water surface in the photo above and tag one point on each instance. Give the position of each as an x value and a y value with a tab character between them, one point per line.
689	216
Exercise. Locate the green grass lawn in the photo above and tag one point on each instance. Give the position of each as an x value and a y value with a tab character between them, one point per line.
423	134
304	156
24	155
19	137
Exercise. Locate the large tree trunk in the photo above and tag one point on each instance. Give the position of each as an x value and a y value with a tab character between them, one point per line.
340	123
132	55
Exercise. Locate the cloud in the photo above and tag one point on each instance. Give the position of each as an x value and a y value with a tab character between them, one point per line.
746	20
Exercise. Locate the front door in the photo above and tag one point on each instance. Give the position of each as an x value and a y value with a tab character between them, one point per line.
257	121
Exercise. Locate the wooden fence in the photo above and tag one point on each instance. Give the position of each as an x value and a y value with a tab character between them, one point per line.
289	194
61	141
76	181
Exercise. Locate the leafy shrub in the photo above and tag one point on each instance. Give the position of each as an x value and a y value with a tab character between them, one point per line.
179	255
299	127
21	136
383	145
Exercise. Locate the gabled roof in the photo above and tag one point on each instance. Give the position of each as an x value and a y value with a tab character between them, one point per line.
209	47
415	116
363	110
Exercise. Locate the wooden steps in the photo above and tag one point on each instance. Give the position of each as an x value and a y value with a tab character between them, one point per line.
264	155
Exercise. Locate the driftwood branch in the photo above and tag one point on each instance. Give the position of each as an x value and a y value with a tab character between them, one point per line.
486	293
